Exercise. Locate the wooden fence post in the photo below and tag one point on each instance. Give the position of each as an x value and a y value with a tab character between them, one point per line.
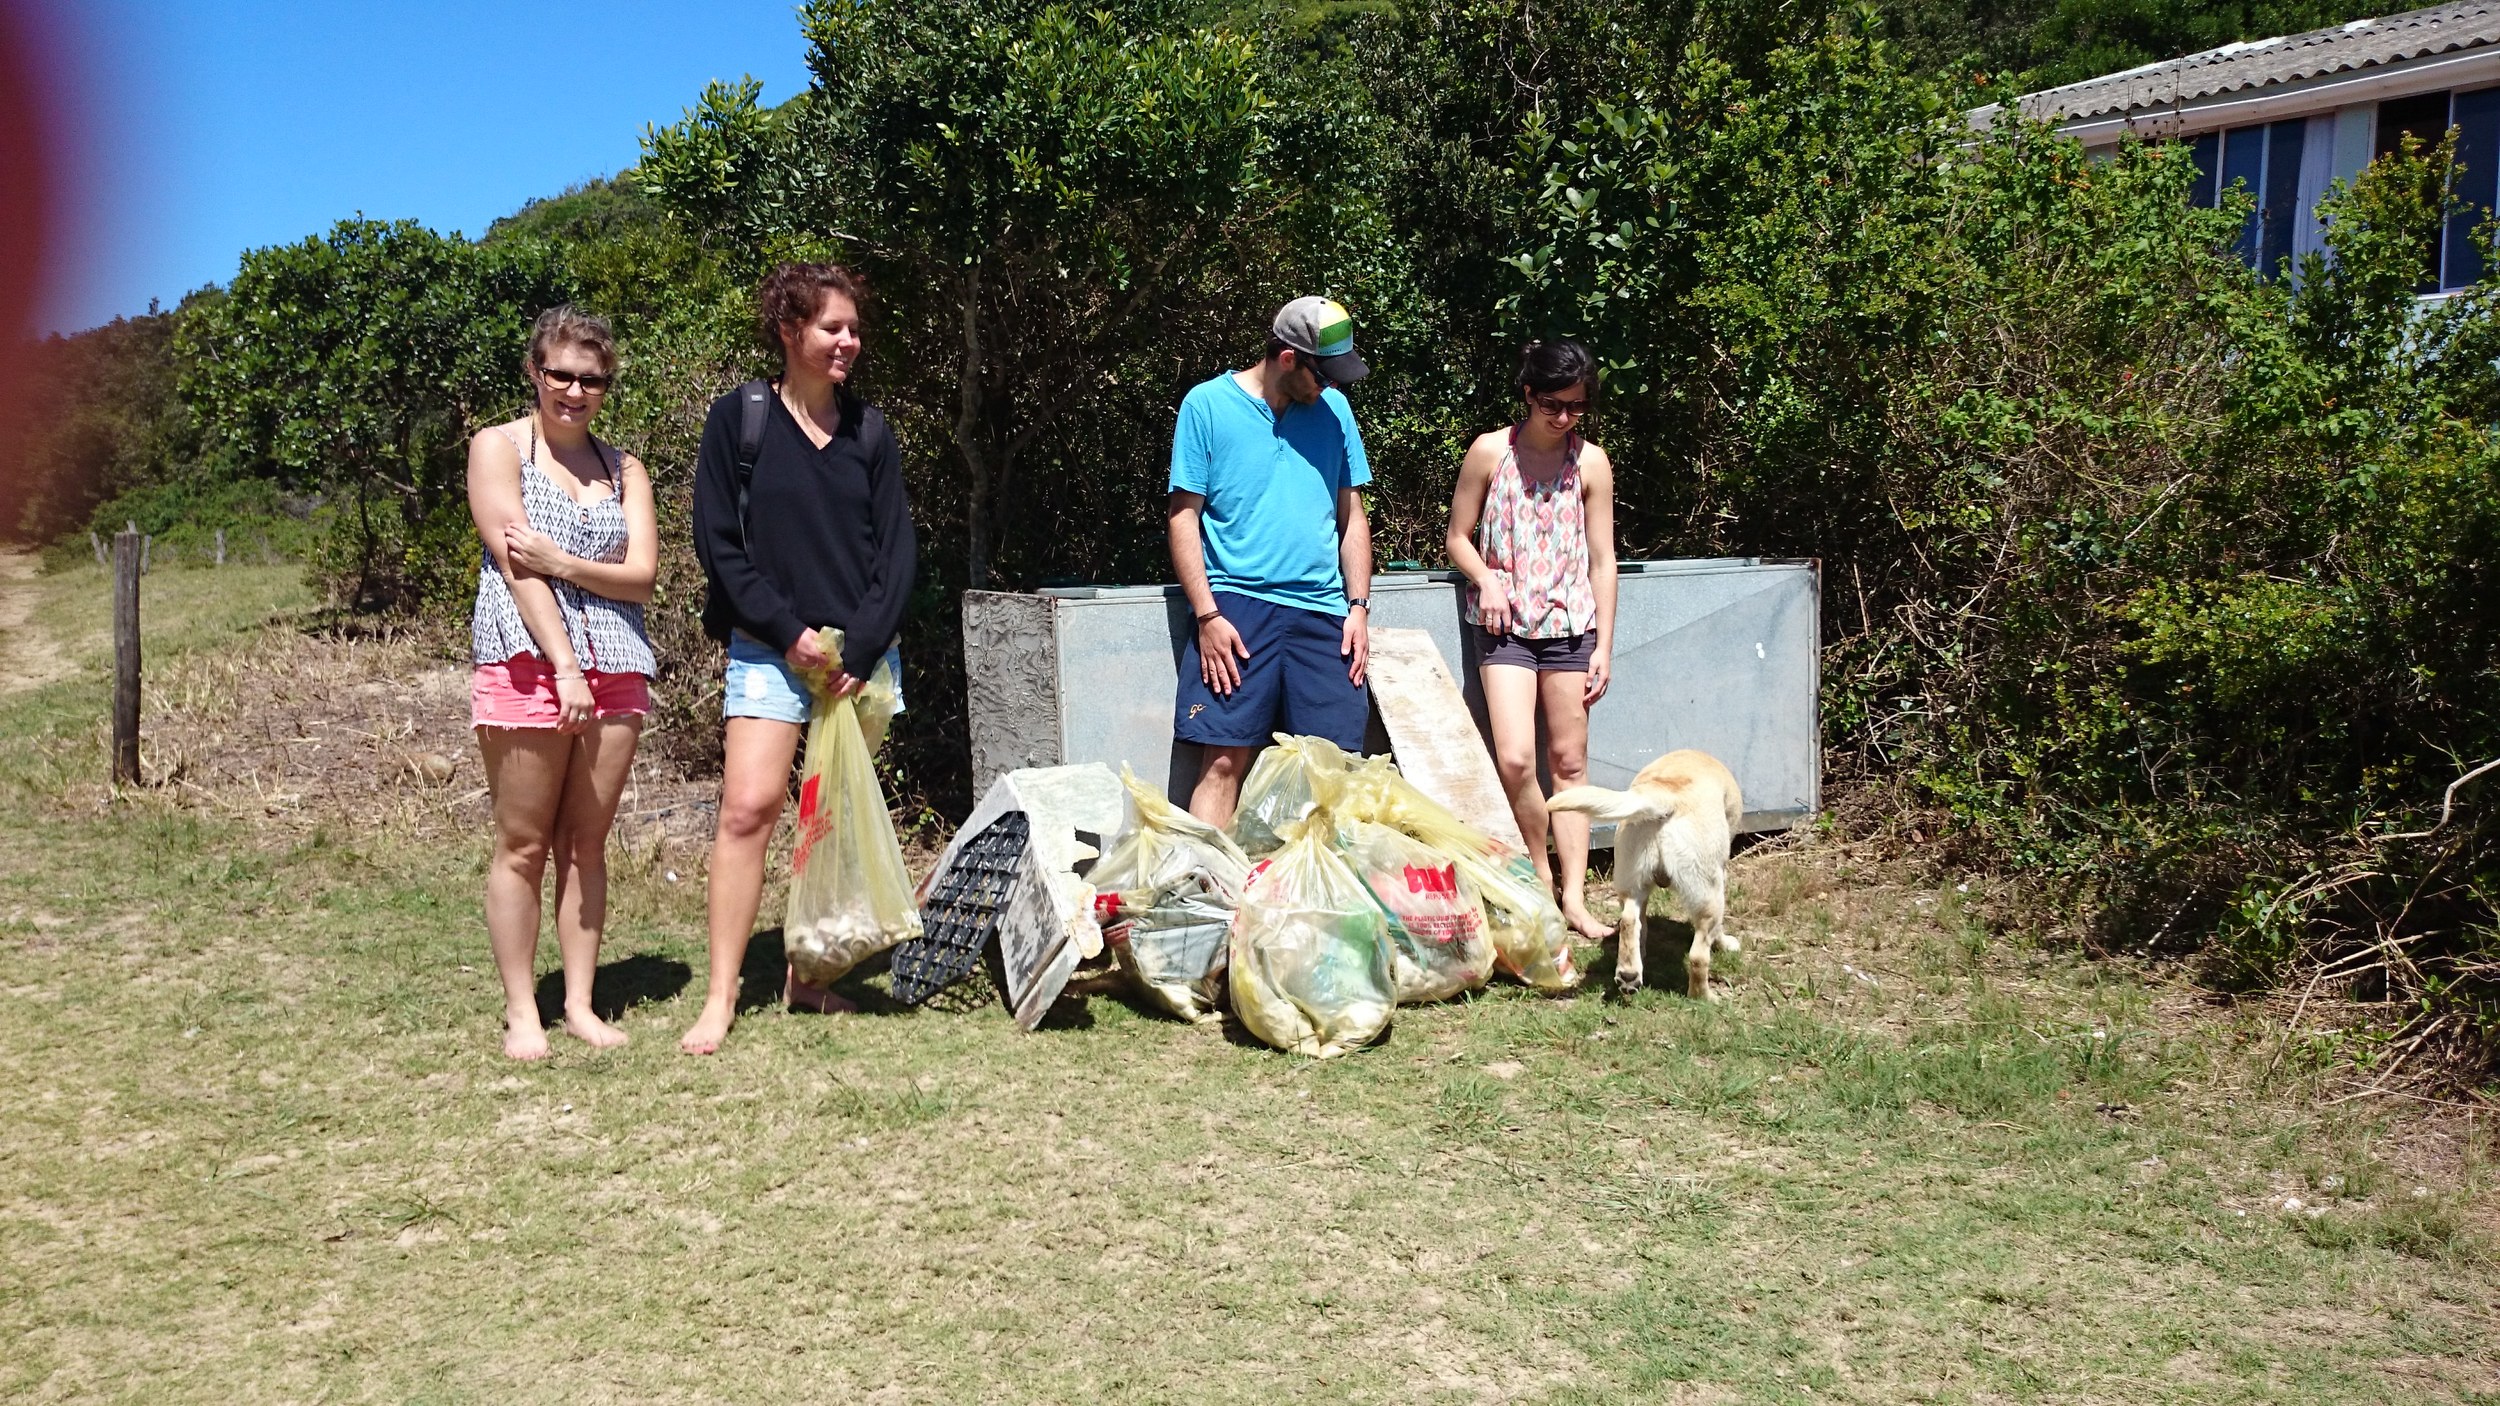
221	546
127	549
97	543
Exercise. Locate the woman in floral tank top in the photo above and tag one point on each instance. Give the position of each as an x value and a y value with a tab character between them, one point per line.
1532	526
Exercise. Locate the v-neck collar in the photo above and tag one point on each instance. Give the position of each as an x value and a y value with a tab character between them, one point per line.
841	413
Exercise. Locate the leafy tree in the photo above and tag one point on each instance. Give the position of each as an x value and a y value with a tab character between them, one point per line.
100	418
1043	195
2033	44
361	362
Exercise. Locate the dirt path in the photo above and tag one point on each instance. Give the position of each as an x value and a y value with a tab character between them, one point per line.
29	657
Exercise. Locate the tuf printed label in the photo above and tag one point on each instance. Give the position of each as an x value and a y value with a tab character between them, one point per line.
807	800
1426	879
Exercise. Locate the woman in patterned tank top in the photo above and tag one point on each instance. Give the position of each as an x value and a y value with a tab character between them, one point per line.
561	681
1532	527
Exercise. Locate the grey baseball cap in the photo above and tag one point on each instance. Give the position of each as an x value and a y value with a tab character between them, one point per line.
1322	329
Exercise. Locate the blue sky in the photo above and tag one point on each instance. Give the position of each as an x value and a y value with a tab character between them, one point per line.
205	128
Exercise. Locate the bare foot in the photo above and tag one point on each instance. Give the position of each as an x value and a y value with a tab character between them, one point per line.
588	1028
800	995
524	1037
1577	914
709	1029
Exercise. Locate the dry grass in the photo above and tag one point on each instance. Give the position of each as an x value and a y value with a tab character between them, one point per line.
261	1147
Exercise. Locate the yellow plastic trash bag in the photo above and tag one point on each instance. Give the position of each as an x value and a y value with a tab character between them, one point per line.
1530	939
1277	792
1438	945
850	896
1310	954
1167	890
1378	792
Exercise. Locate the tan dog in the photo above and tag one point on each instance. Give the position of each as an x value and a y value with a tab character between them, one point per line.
1671	831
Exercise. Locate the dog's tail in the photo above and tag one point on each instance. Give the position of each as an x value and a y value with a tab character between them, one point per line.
1609	807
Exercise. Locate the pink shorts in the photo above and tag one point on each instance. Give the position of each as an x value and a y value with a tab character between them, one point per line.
521	692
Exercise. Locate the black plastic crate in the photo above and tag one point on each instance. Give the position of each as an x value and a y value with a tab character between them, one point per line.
962	912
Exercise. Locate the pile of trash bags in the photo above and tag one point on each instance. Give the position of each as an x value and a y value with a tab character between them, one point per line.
1340	893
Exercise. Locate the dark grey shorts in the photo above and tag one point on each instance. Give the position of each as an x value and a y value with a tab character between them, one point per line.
1567	655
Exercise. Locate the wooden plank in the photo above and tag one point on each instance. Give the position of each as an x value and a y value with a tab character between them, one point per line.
1432	735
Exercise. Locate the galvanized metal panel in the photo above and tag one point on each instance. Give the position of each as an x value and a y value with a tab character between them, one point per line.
1725	658
1720	655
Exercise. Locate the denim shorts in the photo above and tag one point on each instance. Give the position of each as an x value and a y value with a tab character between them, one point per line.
761	684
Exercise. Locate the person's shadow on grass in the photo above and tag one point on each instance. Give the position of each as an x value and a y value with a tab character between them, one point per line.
621	985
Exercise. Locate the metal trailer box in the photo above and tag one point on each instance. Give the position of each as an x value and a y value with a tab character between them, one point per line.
1716	654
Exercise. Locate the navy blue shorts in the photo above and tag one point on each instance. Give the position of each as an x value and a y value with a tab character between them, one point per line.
1294	681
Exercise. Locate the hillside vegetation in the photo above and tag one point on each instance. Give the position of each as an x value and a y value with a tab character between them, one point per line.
2161	581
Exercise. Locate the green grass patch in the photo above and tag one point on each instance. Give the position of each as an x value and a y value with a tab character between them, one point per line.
261	1146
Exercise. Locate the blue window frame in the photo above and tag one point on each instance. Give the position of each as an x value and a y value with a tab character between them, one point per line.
2244	166
2264	161
2476	116
2272	162
2206	150
2280	205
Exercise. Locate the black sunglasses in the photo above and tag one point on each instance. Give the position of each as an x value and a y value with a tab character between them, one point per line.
591	384
1555	405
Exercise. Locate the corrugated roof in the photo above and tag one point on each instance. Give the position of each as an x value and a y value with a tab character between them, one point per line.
2260	63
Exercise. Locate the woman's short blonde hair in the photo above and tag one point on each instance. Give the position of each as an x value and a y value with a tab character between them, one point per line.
568	326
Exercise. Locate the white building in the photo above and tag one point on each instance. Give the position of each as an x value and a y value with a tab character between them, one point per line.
2287	116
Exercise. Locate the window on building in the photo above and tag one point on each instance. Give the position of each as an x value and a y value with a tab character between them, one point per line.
2272	162
2456	258
2286	168
2476	116
2423	117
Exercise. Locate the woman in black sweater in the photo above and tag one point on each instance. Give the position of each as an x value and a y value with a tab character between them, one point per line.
817	537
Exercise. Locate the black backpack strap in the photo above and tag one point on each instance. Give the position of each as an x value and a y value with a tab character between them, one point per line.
754	403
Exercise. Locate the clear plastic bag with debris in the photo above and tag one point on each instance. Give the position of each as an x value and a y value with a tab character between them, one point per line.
1277	793
1310	951
1167	891
1530	940
1438	942
850	896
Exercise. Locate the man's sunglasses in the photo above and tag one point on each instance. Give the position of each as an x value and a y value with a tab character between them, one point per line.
1555	405
591	384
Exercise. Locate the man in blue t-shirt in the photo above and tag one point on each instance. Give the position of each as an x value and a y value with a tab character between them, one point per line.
1273	550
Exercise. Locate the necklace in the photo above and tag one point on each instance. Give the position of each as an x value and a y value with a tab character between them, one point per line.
805	418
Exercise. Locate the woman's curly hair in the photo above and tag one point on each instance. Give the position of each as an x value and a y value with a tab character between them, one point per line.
794	293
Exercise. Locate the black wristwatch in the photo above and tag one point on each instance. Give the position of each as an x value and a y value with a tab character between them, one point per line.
1353	601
